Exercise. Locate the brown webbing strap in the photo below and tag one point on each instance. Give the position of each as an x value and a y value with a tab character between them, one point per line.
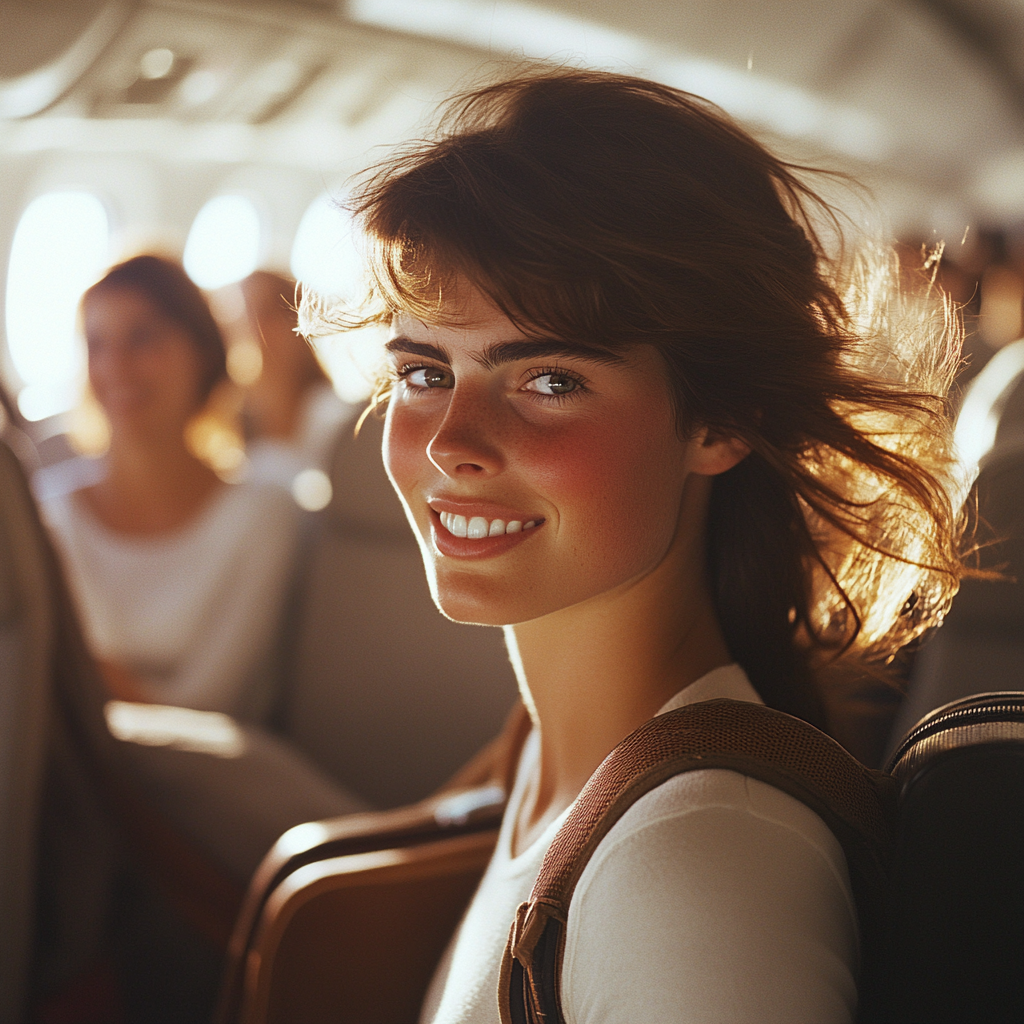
857	804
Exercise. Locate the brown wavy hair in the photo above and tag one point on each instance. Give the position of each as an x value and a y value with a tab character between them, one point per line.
617	211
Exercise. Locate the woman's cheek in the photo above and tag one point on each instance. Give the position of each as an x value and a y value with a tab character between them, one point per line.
599	470
616	488
406	436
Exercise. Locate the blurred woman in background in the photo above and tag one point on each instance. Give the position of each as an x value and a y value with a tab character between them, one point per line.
179	576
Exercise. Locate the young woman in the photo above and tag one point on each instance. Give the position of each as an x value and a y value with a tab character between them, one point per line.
179	576
640	419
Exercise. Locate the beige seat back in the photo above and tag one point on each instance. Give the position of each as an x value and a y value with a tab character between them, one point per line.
382	691
980	647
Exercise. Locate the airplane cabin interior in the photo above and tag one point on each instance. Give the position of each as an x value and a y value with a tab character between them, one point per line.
299	845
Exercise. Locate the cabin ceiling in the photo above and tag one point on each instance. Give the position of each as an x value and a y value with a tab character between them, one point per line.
923	98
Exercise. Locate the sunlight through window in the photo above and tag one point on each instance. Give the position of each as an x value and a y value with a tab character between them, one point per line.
325	257
60	247
224	243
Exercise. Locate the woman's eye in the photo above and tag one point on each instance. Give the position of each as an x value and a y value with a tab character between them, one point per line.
429	377
553	384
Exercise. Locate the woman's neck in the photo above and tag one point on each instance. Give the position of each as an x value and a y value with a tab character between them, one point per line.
594	672
153	485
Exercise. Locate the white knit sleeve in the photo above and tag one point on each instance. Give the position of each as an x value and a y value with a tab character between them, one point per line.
716	898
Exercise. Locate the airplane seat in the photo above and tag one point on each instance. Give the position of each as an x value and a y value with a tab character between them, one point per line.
25	635
980	646
58	841
123	861
954	929
346	919
381	691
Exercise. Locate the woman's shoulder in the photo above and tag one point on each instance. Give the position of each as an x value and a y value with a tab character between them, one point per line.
58	488
687	803
728	898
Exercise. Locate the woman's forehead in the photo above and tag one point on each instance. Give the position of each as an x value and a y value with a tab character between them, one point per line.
464	308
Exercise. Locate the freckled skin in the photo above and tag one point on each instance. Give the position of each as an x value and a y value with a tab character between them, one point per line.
605	467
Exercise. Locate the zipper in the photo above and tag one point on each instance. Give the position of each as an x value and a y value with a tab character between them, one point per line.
985	707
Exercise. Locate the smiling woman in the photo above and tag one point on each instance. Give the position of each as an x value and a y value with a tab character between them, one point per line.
582	454
640	418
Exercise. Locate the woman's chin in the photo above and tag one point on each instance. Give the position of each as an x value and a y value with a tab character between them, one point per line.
476	602
468	612
473	603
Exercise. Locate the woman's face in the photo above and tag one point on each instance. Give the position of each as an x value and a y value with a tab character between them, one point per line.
537	474
143	367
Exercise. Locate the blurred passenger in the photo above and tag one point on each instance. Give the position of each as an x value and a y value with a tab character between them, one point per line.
179	575
292	412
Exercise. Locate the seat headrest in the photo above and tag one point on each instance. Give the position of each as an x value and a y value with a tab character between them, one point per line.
363	499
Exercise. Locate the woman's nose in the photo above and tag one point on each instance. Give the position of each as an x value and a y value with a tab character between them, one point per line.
467	441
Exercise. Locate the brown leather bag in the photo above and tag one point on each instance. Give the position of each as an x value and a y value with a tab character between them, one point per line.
856	803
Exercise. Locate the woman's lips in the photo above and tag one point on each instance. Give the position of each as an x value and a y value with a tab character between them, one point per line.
459	535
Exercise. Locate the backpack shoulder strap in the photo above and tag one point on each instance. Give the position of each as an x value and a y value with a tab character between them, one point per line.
857	804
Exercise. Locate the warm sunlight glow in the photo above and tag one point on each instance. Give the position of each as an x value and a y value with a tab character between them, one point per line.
158	725
60	247
224	243
325	256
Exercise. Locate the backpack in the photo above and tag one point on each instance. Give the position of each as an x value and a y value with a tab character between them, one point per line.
856	803
934	846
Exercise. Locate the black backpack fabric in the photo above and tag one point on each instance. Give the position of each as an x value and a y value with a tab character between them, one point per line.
951	947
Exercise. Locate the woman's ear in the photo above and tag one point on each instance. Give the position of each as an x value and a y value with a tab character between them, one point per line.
712	453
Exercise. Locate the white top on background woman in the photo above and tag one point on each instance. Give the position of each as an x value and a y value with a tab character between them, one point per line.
179	576
190	614
639	418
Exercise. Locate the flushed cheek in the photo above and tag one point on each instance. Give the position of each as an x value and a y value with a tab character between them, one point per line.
406	437
615	487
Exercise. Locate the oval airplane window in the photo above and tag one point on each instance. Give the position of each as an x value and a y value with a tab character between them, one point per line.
325	257
61	246
224	242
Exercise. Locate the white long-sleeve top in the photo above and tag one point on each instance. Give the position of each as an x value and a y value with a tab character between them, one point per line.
194	612
716	899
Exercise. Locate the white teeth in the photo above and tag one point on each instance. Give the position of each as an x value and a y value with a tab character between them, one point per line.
476	527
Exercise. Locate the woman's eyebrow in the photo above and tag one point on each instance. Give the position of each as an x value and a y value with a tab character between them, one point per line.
416	348
511	351
502	352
